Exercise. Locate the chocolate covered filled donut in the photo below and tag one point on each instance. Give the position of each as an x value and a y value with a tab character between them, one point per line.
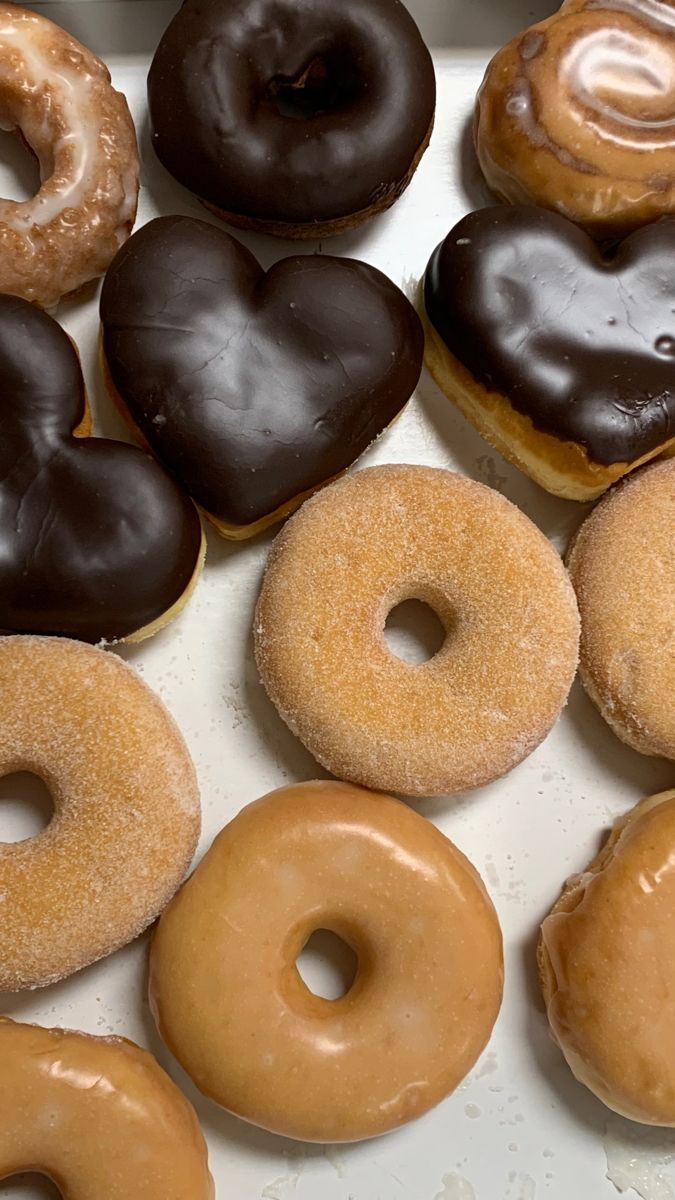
96	541
301	118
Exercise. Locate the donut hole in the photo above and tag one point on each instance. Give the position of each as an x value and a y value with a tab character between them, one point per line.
19	168
327	965
328	83
414	632
26	806
29	1186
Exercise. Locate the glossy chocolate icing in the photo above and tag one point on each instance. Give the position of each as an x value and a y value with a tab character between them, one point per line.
95	539
291	110
253	387
580	341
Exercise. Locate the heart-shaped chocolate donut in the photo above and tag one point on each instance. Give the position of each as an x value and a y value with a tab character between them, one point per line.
539	323
253	388
96	541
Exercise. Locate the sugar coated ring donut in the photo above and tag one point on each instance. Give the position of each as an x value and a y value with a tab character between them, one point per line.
622	565
576	114
98	1116
59	96
126	808
607	968
496	686
230	1002
300	118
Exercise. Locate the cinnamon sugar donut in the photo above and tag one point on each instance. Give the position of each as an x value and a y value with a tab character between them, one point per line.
496	686
58	95
577	114
607	967
622	565
98	1116
126	808
231	1005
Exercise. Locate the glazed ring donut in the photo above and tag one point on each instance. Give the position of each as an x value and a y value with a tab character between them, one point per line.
607	967
494	689
300	120
232	1007
622	565
576	114
98	1116
59	96
126	808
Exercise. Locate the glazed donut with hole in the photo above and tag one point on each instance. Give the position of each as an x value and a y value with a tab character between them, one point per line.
126	808
231	1005
98	1116
495	688
58	95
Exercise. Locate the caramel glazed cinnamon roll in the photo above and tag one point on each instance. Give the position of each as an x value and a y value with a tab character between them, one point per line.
578	114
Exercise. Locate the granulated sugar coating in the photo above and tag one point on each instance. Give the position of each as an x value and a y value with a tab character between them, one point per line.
495	688
126	808
622	564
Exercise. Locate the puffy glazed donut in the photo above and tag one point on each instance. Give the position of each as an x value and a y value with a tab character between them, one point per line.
59	96
231	1005
622	565
559	353
126	808
494	689
607	967
98	1116
577	114
301	118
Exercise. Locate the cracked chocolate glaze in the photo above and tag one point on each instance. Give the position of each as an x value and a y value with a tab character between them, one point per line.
580	341
96	541
253	387
291	110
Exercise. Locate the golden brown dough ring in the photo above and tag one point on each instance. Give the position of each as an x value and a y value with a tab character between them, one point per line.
232	1007
126	808
59	95
98	1116
622	566
607	968
494	689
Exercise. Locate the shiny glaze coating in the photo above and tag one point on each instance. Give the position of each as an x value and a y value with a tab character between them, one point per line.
96	542
58	95
577	114
232	1007
292	111
253	388
126	808
608	971
98	1116
581	343
493	690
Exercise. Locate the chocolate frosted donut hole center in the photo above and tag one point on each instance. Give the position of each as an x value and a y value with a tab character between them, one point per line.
330	82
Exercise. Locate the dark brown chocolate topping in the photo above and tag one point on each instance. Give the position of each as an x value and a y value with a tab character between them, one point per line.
253	387
291	110
95	540
580	341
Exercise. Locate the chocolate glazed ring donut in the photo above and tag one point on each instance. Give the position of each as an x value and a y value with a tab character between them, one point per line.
300	118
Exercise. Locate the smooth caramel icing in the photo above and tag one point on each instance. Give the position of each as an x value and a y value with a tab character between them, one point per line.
98	1116
576	114
608	971
231	1005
